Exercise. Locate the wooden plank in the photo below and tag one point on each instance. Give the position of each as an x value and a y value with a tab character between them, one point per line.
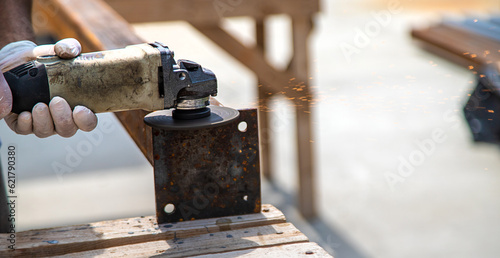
481	27
460	60
107	234
211	243
203	11
289	250
302	27
93	22
98	27
459	45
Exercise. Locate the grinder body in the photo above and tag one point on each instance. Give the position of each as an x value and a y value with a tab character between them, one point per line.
108	81
143	76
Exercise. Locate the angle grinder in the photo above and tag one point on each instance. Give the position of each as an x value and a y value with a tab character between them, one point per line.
143	76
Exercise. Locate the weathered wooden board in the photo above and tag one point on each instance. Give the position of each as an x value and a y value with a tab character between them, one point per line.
209	243
107	234
289	250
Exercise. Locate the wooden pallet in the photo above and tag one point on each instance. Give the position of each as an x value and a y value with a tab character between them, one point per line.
262	234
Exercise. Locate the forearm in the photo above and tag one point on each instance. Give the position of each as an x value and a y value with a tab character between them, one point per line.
15	21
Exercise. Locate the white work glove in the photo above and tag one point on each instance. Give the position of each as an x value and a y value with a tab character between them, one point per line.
44	120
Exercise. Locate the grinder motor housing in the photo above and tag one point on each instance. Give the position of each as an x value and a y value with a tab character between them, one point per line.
143	76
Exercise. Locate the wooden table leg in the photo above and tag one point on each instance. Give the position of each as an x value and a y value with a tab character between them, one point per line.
302	27
264	128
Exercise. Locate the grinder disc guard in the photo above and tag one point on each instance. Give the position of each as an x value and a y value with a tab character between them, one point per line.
218	116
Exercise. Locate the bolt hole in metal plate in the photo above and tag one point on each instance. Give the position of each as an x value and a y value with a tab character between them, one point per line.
164	119
242	126
169	208
207	173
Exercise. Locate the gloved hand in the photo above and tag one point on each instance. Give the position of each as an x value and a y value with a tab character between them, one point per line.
44	120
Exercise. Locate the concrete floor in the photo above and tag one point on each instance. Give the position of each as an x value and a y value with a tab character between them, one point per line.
385	106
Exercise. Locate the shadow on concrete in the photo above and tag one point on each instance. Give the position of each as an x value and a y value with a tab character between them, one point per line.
317	229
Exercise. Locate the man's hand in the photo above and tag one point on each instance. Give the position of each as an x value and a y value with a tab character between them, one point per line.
44	120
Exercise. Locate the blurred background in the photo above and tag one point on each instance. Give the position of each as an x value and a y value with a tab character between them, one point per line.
377	108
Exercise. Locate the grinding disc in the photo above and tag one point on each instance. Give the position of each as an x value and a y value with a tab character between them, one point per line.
218	116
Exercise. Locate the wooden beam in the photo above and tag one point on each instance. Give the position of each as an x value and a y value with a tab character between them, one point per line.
114	233
459	45
203	11
264	119
93	22
205	244
302	27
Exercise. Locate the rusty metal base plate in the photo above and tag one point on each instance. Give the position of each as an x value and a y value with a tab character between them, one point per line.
207	173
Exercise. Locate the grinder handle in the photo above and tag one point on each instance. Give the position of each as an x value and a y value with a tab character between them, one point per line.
29	85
